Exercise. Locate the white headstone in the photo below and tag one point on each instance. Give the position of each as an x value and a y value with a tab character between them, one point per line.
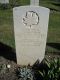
30	28
34	2
4	1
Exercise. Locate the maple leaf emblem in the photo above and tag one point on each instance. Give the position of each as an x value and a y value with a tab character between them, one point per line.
31	18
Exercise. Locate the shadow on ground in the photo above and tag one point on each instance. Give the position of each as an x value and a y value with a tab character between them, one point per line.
39	67
54	45
7	52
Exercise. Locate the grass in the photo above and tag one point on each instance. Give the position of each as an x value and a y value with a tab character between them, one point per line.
6	27
54	32
54	28
6	22
19	2
51	4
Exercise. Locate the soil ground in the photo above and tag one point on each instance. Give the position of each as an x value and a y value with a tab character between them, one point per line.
11	74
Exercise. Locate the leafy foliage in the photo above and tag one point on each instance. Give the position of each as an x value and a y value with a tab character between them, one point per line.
24	73
53	72
47	70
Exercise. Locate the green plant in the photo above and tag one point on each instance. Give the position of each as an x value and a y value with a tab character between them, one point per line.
53	72
24	73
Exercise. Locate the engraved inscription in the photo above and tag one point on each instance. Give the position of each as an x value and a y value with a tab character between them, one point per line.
31	18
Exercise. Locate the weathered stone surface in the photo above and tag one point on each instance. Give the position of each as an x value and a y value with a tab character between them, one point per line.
34	2
30	28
